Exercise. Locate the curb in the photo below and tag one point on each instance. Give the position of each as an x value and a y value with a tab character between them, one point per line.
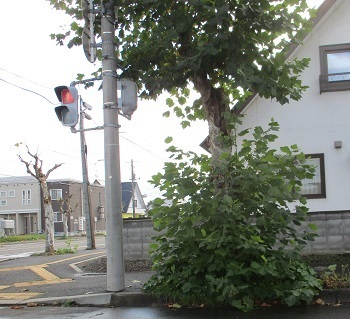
131	299
117	299
100	299
335	296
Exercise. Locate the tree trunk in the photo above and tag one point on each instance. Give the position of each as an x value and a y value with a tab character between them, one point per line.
216	104
49	220
65	225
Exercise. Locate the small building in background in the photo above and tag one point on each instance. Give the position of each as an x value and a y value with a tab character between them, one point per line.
21	202
132	201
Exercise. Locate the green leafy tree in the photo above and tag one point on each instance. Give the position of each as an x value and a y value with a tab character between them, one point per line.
228	236
242	246
225	49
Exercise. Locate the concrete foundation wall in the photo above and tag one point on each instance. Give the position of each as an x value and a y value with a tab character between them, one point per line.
333	231
137	238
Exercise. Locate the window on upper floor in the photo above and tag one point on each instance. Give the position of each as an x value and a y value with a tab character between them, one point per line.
3	202
26	197
335	67
56	194
29	197
3	194
12	193
315	187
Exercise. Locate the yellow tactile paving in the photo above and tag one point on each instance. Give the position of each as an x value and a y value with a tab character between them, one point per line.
18	295
43	273
75	257
41	282
48	278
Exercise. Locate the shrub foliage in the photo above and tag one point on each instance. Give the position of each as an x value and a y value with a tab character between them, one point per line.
229	234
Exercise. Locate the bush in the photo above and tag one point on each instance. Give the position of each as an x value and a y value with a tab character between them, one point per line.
229	236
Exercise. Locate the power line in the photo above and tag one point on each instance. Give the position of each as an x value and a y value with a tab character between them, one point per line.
22	88
19	76
145	149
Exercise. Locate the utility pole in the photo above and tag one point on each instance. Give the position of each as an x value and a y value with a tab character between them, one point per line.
133	189
114	220
90	233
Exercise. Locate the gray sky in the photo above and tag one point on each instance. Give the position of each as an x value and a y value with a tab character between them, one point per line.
31	60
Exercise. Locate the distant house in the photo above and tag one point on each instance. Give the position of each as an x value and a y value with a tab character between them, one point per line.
132	201
64	188
20	201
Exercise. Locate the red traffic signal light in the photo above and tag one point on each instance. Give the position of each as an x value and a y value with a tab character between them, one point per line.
66	96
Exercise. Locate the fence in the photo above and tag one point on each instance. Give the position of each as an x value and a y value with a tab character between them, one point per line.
333	234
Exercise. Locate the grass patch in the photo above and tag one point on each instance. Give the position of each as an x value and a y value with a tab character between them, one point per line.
11	239
61	251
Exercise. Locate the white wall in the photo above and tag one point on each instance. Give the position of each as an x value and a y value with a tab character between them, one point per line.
316	121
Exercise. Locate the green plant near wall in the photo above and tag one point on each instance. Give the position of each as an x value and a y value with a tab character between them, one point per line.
229	236
336	277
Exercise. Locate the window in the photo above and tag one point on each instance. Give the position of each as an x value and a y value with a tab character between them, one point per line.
3	194
12	194
315	187
57	217
3	202
26	197
335	67
56	194
29	197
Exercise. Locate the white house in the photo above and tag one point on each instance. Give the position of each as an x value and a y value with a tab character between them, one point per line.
319	124
20	202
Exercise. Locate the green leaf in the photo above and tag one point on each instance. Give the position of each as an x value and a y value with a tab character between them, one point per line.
312	226
286	149
166	114
168	140
169	102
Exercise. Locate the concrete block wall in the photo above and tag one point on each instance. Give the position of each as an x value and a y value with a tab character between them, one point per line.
333	232
137	236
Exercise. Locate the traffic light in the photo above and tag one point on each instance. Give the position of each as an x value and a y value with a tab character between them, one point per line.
127	99
68	111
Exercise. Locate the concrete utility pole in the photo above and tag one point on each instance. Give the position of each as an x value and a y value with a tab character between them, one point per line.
90	233
114	219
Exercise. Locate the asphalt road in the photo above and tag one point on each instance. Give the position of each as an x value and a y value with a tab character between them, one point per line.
24	249
310	312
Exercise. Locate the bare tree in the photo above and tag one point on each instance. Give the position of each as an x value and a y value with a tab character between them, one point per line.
35	168
66	209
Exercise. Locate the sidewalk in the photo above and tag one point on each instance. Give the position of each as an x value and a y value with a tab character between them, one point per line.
58	279
53	280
